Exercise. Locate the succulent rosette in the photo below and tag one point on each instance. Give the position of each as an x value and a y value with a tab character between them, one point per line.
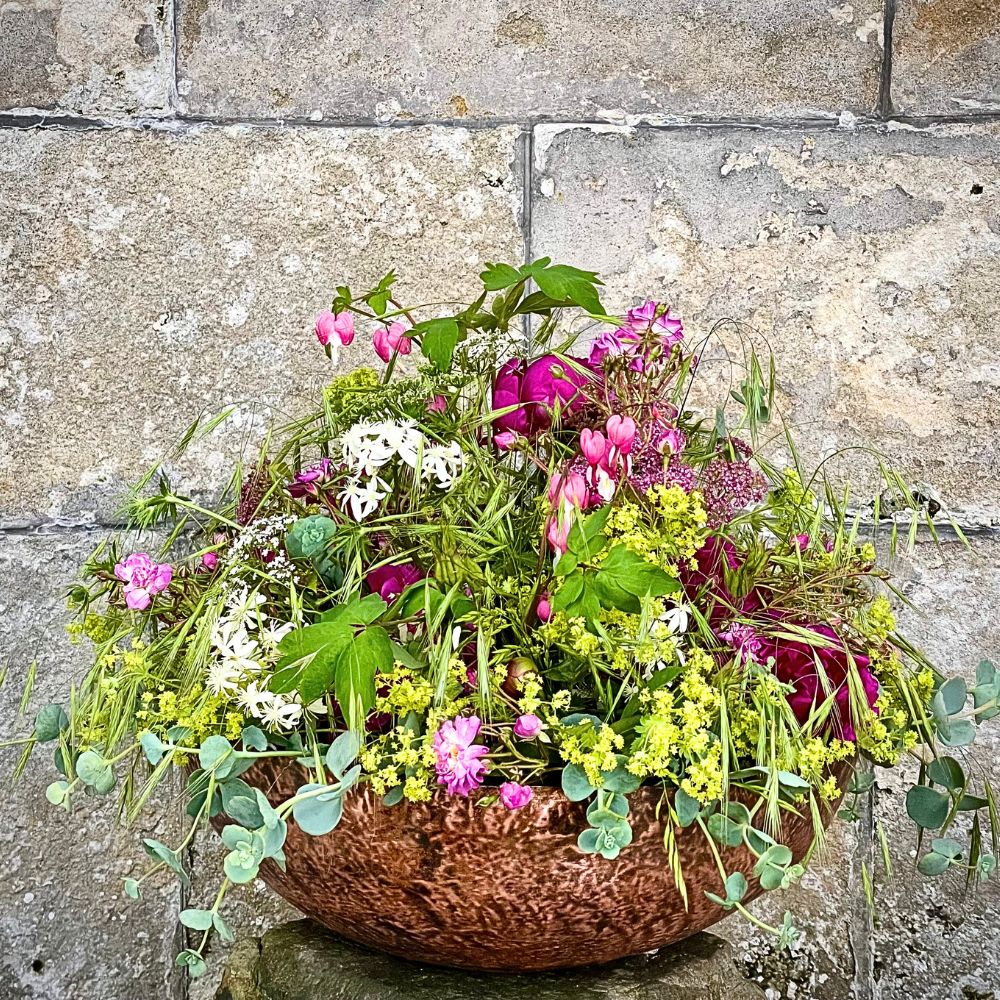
475	572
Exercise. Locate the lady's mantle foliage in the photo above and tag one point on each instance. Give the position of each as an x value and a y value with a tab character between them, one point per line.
477	568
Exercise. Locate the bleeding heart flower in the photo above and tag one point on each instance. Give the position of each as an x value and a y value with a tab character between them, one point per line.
391	340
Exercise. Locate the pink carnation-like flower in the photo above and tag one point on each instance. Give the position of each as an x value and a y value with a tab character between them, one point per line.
536	390
339	325
143	579
391	340
745	641
514	796
528	726
460	767
795	664
391	580
209	561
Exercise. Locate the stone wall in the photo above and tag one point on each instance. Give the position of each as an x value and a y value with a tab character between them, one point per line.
183	182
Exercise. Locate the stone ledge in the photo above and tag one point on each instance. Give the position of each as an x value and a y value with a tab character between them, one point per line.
302	961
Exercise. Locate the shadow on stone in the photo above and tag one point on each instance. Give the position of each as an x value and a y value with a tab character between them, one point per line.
302	961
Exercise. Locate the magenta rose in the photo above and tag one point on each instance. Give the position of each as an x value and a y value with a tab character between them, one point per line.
391	580
535	389
507	392
795	664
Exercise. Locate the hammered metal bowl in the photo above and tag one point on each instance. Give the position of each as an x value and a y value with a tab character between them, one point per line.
449	883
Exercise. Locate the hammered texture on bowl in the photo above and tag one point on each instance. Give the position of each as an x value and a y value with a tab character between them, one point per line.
451	883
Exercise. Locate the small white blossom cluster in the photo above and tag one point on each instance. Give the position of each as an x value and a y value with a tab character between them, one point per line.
265	535
245	643
671	624
368	446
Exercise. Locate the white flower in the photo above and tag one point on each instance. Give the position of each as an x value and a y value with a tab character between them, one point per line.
676	619
443	463
403	439
280	713
271	634
222	678
243	603
363	498
363	449
253	699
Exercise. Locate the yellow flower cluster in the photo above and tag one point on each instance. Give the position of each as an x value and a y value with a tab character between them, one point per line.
877	621
197	710
594	749
401	757
672	530
791	502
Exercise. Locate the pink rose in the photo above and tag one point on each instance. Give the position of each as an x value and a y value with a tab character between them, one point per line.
460	767
143	579
528	726
514	796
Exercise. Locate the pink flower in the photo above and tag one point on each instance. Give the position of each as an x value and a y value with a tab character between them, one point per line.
459	765
745	641
209	561
593	445
644	318
528	726
558	534
143	579
306	481
544	608
438	404
514	796
621	433
671	441
391	580
801	542
504	440
339	325
537	390
391	340
569	491
795	663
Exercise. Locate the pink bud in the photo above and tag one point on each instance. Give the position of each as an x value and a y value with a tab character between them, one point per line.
209	561
802	541
343	326
391	340
528	726
558	534
438	404
544	608
504	439
621	433
593	446
671	442
325	327
514	796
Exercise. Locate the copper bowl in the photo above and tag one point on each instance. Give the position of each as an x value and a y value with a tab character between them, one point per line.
450	883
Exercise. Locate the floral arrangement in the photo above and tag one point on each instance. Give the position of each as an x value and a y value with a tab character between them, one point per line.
507	562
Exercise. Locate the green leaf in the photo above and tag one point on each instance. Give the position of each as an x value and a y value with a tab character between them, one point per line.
342	752
160	852
308	656
132	889
575	784
438	340
947	847
586	536
961	733
953	694
393	797
153	747
736	887
946	771
243	809
193	962
50	722
216	755
499	276
319	815
933	864
254	738
725	830
926	807
197	920
354	674
569	284
222	928
624	577
620	780
94	771
56	793
686	806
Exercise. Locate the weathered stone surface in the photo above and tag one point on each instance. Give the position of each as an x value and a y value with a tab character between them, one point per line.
103	57
828	907
867	260
149	277
301	961
570	59
946	56
67	932
931	937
